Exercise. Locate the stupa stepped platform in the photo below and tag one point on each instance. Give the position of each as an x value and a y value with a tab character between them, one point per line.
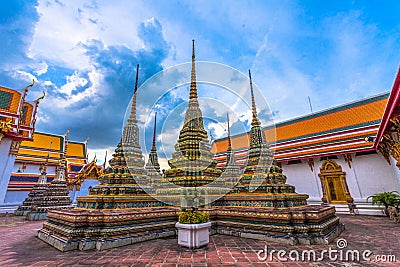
26	206
300	225
103	229
283	200
118	201
56	196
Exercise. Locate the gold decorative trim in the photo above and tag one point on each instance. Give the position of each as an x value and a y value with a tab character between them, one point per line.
331	175
348	159
6	126
14	147
310	162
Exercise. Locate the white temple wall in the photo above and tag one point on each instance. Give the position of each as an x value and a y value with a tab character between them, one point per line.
84	190
303	179
16	197
375	175
369	174
6	165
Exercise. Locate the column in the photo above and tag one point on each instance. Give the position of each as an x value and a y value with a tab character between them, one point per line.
6	165
396	169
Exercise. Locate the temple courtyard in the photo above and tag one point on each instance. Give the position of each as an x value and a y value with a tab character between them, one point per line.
380	235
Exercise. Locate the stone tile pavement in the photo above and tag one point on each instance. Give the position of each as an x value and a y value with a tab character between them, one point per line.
20	247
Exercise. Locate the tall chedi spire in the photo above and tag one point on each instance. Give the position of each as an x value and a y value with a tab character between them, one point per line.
62	163
231	173
152	166
194	117
128	152
192	163
260	158
152	163
229	149
125	179
130	132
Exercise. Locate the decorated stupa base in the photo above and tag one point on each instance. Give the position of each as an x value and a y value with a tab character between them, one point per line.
26	206
300	225
85	229
36	192
56	197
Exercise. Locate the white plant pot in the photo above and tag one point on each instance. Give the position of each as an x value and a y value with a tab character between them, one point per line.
193	235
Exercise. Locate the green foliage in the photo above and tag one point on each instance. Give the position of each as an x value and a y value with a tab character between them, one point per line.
193	217
386	199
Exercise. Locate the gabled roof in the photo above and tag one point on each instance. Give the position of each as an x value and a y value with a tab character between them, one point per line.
17	117
392	109
39	147
39	151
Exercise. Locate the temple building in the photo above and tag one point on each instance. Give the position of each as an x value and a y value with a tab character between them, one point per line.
24	152
31	156
17	124
338	156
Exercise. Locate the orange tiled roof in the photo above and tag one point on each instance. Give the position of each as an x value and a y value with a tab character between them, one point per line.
76	150
335	130
38	149
42	141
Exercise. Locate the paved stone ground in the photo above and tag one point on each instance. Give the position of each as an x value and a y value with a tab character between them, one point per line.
20	247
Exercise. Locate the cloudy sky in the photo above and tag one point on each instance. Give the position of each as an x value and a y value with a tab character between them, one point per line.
83	54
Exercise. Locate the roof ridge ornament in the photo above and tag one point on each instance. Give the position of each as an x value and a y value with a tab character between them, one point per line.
41	97
29	85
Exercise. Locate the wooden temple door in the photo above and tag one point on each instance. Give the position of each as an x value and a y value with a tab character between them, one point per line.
334	184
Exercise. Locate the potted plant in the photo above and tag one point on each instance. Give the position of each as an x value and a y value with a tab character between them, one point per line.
193	228
386	199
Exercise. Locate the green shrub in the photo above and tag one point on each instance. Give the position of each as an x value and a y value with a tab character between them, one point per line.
193	217
386	199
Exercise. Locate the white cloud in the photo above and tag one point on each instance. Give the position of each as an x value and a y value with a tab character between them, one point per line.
100	154
62	27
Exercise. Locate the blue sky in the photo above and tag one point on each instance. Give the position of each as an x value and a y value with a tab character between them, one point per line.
84	53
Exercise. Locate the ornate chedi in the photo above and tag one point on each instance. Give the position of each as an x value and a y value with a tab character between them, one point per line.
55	197
262	173
124	183
192	163
232	172
264	207
37	192
152	166
117	211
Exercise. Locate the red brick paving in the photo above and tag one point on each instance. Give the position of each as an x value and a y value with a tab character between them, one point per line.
20	247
